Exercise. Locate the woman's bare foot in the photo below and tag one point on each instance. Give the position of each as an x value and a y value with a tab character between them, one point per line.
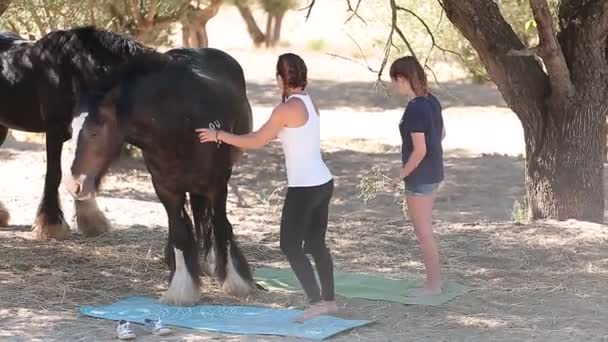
425	292
319	309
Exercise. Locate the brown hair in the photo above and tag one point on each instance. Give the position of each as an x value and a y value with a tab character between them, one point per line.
409	68
293	71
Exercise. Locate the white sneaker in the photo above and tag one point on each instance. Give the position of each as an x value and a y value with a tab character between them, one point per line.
156	327
123	332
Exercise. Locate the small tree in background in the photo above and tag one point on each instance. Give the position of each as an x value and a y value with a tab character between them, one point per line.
147	20
275	12
194	23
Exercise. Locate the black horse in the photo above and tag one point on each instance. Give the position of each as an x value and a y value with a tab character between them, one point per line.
155	102
41	85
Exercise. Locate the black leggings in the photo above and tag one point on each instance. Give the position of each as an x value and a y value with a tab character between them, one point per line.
303	227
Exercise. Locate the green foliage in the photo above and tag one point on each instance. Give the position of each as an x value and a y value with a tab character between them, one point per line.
278	6
519	213
317	45
456	48
516	12
39	17
376	182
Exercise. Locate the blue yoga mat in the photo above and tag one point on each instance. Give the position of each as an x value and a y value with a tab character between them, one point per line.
244	320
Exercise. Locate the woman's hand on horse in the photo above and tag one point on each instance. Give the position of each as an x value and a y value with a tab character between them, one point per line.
207	135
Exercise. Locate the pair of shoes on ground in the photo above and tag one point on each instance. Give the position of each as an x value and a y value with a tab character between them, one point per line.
154	326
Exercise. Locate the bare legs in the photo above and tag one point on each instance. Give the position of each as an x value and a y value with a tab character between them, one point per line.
419	211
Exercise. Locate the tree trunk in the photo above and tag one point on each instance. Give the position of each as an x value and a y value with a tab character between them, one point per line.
252	27
186	36
269	31
194	25
201	36
278	23
562	110
4	6
564	176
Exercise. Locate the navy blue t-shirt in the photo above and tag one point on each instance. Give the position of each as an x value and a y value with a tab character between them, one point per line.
423	115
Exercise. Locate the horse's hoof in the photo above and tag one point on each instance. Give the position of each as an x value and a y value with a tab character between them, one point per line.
183	290
239	290
58	231
90	220
235	284
188	296
4	216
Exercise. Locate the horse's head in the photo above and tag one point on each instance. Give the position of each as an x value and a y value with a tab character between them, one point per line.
99	143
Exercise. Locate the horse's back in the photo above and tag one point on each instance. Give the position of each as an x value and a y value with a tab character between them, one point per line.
213	64
219	69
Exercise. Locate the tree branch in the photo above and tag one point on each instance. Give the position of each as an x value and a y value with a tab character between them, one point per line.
135	11
115	12
599	21
151	10
355	12
521	80
590	13
550	51
169	19
4	4
431	35
42	27
525	52
308	8
389	40
366	64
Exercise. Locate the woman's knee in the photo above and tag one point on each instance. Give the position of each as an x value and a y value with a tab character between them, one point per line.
290	247
315	247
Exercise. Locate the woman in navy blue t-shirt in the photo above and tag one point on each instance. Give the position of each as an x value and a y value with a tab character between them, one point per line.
422	131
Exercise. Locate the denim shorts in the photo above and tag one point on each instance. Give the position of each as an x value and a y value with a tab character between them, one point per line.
420	190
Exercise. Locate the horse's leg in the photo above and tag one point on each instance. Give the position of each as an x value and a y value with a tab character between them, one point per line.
181	252
4	214
50	222
201	212
3	134
231	268
90	220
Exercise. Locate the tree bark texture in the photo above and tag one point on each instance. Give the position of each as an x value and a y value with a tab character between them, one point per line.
255	33
4	5
563	110
194	29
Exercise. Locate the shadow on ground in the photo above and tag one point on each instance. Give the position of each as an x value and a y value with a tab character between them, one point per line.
363	96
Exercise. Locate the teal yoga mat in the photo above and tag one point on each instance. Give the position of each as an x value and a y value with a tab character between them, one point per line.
243	320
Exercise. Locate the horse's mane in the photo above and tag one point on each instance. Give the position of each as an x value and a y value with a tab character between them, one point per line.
87	51
7	39
125	77
92	39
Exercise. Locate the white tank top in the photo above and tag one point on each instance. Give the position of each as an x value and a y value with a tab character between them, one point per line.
302	150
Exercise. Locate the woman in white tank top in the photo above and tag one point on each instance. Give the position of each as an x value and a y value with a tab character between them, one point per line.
305	212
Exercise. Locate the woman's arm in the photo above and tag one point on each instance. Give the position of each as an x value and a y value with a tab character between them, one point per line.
417	155
250	141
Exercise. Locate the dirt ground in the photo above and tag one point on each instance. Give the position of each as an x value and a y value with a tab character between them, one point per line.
543	281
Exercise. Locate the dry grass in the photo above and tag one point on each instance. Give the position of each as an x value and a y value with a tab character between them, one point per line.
541	281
